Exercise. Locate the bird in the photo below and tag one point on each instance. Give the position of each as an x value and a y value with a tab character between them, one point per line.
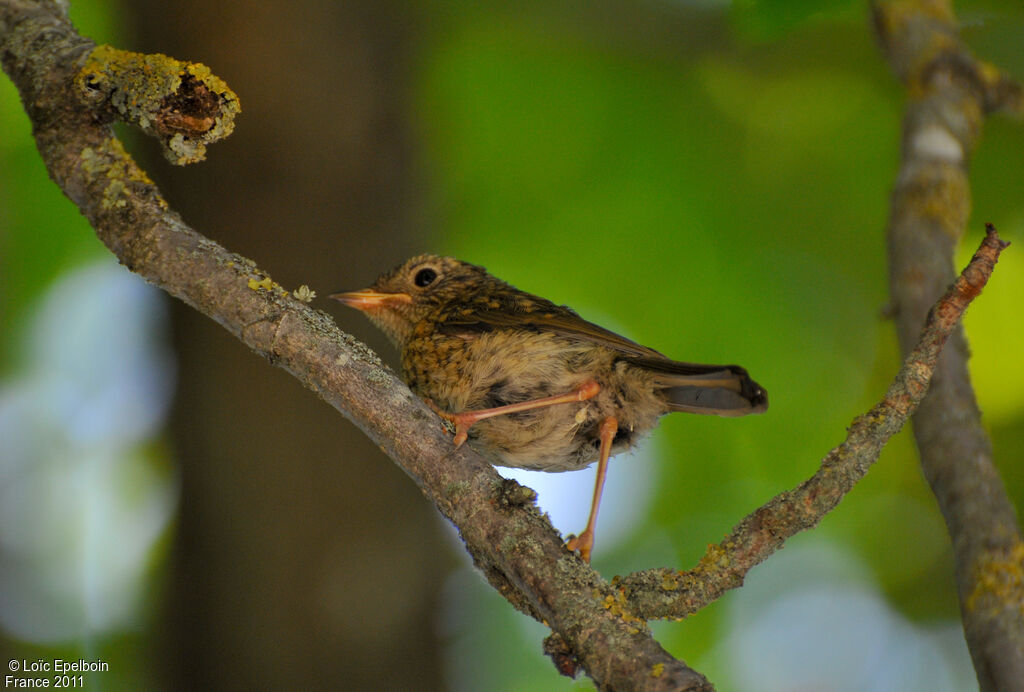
529	383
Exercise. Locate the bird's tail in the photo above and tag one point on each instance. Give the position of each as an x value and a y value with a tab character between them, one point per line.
719	390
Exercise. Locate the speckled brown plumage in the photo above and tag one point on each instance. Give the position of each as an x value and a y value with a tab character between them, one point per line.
471	342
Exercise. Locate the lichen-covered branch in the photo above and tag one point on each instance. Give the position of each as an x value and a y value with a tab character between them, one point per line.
182	104
72	90
512	543
667	593
949	91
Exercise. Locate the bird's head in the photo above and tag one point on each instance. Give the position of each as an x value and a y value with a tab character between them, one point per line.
420	289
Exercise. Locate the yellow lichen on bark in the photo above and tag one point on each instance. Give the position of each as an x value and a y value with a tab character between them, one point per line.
999	577
182	104
112	162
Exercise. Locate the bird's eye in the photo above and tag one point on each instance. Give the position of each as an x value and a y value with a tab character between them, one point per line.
425	277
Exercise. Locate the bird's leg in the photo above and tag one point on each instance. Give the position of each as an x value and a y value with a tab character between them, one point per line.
585	541
464	420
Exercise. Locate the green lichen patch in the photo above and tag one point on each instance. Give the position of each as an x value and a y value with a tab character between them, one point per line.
112	162
509	493
182	104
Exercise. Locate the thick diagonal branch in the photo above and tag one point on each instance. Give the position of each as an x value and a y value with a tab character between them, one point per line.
667	593
949	93
516	547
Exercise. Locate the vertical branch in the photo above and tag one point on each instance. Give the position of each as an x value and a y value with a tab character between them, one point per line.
949	93
663	593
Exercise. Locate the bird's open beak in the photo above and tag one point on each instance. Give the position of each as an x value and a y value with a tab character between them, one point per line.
369	300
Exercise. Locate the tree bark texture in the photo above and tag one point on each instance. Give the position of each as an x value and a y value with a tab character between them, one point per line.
302	555
949	93
596	626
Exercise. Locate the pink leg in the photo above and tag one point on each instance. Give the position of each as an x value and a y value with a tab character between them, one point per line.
585	541
464	420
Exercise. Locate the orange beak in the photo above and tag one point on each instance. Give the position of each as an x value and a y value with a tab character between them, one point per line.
368	300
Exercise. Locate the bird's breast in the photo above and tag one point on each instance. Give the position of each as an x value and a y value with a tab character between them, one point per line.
492	369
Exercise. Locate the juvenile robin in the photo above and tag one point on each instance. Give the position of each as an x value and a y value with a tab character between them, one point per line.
529	383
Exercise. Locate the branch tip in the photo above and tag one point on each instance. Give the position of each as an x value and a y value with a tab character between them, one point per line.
183	104
663	593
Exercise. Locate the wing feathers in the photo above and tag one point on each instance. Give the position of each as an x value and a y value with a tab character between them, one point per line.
724	390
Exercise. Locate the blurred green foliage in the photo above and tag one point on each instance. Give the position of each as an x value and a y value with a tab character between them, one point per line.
41	232
723	200
42	236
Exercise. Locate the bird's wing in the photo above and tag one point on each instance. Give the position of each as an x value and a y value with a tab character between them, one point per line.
693	387
539	315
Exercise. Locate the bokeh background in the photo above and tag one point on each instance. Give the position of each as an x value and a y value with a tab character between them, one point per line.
708	178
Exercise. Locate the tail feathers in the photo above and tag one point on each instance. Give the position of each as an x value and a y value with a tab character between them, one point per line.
717	390
728	391
716	401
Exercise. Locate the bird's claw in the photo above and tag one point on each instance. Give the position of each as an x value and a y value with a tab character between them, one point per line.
583	543
455	419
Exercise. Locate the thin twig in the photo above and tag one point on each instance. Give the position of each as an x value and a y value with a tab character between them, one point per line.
667	593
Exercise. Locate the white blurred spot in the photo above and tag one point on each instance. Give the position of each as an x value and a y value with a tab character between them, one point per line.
566	496
934	142
811	619
81	505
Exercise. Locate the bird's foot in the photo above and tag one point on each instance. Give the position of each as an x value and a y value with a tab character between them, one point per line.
459	420
583	543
